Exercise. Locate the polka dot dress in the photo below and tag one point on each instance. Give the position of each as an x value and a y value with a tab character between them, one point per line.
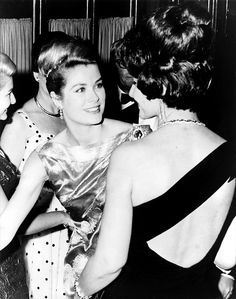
44	252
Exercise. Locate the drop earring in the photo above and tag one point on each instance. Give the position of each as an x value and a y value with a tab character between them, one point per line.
61	114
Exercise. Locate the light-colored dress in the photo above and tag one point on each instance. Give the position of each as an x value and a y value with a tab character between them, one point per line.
78	177
44	252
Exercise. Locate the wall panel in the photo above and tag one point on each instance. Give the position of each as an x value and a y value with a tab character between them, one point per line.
15	9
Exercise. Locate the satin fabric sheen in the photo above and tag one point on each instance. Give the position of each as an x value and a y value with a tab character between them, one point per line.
78	177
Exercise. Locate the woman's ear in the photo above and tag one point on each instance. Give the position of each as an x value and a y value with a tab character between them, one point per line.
36	76
56	100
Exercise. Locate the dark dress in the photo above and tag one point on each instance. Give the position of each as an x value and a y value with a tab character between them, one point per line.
149	276
12	271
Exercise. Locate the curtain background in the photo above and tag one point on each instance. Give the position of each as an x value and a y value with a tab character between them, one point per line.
110	30
74	27
16	42
16	36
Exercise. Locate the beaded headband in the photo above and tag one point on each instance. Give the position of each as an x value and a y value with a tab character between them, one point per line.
57	65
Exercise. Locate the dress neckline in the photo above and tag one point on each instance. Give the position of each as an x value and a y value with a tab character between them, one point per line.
104	142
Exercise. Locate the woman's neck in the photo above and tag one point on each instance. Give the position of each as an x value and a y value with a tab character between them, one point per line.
46	102
84	134
172	114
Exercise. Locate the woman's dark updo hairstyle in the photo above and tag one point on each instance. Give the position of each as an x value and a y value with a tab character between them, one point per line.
80	52
181	69
131	52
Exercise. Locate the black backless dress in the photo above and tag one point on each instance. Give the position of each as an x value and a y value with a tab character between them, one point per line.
149	276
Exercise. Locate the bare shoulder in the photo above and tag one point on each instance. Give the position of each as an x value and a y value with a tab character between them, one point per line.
115	126
212	137
34	166
14	137
208	142
16	126
126	155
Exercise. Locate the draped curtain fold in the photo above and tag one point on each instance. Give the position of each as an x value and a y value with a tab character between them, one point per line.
110	30
16	42
16	36
74	27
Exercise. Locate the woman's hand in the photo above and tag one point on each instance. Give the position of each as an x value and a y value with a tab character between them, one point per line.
67	221
226	286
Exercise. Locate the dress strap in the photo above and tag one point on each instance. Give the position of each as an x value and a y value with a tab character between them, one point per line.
27	119
198	185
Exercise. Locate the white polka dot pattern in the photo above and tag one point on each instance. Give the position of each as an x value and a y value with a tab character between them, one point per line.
44	252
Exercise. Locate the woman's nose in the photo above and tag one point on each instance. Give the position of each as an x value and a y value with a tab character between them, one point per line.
94	96
12	99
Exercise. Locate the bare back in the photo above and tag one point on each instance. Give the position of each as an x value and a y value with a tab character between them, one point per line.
163	158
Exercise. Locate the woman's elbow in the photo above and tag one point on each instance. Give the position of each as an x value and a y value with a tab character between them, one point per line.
112	265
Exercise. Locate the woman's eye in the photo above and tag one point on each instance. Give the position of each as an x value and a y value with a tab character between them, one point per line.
80	90
100	85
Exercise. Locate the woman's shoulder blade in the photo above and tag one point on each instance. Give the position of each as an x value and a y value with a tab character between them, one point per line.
127	154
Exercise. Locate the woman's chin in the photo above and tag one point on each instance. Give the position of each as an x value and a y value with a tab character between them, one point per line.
3	116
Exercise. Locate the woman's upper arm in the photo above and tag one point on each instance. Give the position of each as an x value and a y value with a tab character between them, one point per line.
117	218
13	139
26	194
3	200
226	255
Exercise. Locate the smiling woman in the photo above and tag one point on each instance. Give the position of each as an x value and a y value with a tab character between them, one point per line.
76	160
12	272
7	70
83	96
176	186
6	96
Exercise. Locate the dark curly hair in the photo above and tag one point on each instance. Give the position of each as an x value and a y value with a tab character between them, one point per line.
180	70
131	52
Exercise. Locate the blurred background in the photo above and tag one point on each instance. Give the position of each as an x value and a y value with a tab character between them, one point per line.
103	22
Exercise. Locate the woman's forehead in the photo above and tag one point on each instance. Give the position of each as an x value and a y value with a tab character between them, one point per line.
82	73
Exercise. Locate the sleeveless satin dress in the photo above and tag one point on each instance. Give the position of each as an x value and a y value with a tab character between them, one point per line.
78	177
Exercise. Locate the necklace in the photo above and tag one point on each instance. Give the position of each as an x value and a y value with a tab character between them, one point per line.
182	120
44	110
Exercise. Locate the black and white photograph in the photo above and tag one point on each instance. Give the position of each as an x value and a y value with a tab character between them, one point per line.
117	149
